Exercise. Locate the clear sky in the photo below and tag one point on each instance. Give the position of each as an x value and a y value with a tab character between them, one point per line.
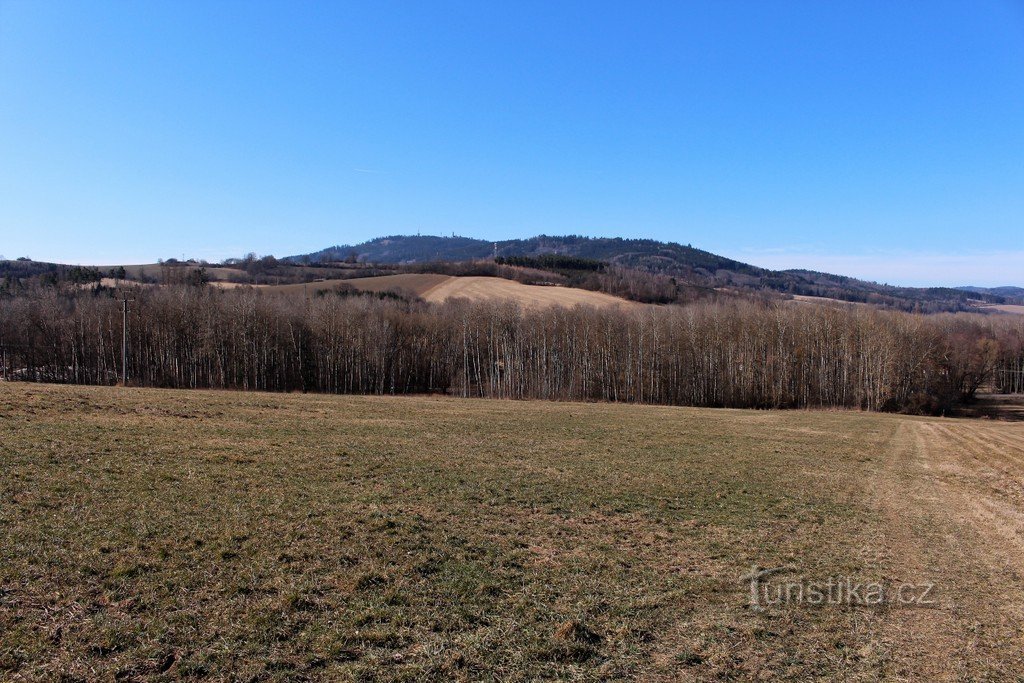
876	139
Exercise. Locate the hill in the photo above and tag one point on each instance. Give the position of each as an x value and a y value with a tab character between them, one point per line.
643	270
438	288
684	263
645	254
1006	291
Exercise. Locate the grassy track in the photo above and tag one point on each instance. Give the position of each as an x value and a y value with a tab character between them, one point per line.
165	535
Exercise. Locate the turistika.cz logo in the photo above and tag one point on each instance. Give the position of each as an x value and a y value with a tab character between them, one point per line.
768	590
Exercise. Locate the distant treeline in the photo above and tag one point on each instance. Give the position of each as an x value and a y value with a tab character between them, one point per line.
910	299
555	262
732	354
49	274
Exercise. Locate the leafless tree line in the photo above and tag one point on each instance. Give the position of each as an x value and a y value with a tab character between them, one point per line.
730	354
1009	370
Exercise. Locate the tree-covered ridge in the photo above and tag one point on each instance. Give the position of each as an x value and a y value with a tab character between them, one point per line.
650	254
684	263
643	270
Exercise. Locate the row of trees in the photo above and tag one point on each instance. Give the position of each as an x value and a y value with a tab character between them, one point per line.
1009	365
733	354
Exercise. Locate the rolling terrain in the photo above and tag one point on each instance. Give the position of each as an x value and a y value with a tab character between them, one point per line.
170	535
438	288
1009	292
643	270
527	296
1016	309
684	262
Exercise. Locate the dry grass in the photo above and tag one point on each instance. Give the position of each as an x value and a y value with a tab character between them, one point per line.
477	288
414	284
1002	308
804	299
438	288
166	535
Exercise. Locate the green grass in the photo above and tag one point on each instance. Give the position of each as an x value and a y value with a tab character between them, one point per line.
165	535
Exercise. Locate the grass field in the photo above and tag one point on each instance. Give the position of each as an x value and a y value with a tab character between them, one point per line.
1003	308
527	296
165	535
438	288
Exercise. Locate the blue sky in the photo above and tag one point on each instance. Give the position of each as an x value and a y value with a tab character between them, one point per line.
883	140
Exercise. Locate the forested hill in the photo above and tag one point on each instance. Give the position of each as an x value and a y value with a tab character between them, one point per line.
1012	292
643	254
639	269
682	262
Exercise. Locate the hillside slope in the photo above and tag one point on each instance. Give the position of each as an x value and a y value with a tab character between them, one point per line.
1007	291
683	262
641	269
527	296
649	255
437	288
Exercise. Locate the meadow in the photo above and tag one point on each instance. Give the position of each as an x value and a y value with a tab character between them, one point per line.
438	288
172	535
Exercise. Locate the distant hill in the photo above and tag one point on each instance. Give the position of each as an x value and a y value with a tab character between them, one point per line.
1007	291
649	255
685	263
642	270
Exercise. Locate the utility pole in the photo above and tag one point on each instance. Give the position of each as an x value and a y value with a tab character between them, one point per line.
124	340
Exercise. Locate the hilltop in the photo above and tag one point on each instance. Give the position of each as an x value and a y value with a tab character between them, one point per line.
686	264
645	254
640	270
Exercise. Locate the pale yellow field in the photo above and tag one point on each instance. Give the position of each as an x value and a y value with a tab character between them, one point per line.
415	284
527	296
438	288
804	299
1004	308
